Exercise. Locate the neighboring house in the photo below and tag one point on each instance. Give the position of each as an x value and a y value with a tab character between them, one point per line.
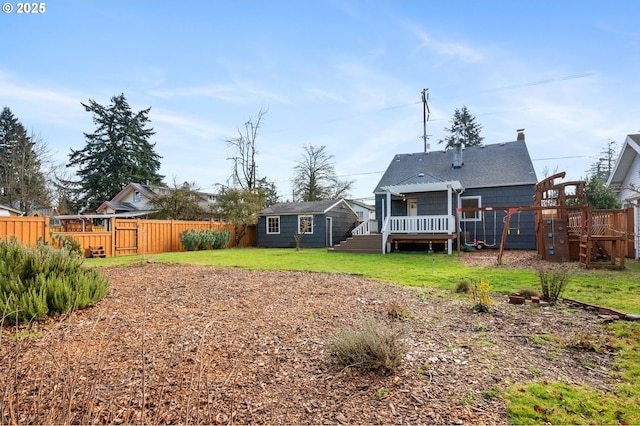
9	211
363	210
133	198
420	195
137	199
625	181
324	223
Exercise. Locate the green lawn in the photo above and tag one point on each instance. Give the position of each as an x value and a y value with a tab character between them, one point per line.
619	290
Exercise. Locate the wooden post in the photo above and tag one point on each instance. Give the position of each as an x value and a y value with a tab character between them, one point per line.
503	240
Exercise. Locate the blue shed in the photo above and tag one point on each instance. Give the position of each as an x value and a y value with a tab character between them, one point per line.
321	223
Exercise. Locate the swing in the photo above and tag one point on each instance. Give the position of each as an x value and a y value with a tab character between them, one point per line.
517	228
481	244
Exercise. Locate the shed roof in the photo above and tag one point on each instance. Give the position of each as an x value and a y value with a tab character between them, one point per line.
503	164
302	207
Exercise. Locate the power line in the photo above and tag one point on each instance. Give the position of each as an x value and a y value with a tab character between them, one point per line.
563	158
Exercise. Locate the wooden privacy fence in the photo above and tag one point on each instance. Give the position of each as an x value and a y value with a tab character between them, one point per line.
123	237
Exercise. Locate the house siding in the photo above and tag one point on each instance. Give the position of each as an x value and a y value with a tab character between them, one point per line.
343	222
435	203
630	198
522	225
631	180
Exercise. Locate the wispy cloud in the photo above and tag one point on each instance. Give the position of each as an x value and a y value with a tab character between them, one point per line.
201	129
447	49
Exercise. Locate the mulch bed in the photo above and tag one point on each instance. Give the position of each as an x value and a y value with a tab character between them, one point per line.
191	344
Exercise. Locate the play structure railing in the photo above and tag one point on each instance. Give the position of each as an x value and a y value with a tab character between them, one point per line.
603	223
441	224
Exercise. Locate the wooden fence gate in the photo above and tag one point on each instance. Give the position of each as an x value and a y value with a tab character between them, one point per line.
125	238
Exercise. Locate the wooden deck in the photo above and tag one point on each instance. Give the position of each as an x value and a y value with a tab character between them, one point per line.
372	243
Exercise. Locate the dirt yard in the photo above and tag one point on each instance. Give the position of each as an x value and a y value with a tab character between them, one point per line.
189	344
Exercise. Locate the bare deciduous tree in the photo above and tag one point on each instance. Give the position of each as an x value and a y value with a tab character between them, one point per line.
315	177
244	172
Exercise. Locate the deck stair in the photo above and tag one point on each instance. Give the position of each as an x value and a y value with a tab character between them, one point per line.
369	243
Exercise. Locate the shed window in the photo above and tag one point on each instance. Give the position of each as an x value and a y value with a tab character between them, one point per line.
305	224
273	224
471	203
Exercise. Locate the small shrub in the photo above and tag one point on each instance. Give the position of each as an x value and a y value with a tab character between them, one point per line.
371	346
66	242
190	239
45	281
528	293
553	283
225	237
205	239
482	296
463	286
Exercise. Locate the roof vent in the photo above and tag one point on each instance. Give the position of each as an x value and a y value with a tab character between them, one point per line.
420	174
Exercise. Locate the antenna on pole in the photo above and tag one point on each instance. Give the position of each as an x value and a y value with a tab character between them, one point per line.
425	116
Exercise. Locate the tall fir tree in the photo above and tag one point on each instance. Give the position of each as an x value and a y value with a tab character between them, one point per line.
117	153
602	168
23	183
464	130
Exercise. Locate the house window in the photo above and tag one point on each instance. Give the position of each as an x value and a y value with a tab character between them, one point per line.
305	224
273	224
471	203
136	196
360	215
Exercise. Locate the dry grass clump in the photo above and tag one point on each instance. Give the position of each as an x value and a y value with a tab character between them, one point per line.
371	345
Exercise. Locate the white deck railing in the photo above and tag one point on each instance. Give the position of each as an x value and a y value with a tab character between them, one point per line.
441	224
366	227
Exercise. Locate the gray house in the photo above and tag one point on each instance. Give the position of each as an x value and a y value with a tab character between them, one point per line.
428	198
324	223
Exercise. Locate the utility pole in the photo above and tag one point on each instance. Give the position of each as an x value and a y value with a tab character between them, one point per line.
425	117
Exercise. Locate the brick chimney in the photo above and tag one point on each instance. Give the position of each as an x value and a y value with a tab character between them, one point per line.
520	134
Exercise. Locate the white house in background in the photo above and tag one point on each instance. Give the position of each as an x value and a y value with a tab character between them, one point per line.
363	210
9	211
138	198
625	181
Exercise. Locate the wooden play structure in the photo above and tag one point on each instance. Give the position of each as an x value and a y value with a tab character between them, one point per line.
567	228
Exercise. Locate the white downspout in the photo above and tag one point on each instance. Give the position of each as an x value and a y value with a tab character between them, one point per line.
450	209
459	215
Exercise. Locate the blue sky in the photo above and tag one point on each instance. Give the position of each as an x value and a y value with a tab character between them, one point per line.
344	74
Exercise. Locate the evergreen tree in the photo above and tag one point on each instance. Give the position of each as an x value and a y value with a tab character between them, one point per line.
604	166
599	196
464	129
23	184
117	153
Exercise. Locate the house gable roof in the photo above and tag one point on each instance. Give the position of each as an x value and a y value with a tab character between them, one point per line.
503	164
10	209
628	153
142	189
303	207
